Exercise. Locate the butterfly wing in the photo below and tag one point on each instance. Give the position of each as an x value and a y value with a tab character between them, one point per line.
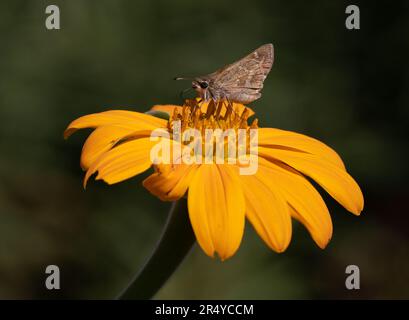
243	80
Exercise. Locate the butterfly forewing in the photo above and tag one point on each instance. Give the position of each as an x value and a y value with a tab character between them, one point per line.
243	80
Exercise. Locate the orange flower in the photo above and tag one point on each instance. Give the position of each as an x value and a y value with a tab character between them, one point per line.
219	197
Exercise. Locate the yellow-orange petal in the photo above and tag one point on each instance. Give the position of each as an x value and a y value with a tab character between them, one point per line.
268	212
133	120
168	108
123	161
271	137
305	203
237	107
217	209
103	139
172	183
337	182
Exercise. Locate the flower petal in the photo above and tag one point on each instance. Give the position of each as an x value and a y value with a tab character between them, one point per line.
103	139
133	120
305	203
123	161
267	211
237	107
270	137
172	183
217	209
337	182
168	108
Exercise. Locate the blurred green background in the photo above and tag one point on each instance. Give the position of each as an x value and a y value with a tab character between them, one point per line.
346	88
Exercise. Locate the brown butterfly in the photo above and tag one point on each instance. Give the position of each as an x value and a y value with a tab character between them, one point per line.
240	81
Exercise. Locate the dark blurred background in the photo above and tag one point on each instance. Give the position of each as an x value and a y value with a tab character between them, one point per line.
346	88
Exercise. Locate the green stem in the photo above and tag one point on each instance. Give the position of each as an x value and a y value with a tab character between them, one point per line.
176	241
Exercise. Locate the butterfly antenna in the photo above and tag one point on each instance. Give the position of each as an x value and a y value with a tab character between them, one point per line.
182	78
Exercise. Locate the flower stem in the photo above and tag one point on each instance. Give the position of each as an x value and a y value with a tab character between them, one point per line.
176	241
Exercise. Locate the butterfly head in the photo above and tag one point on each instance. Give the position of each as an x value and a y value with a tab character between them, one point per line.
201	86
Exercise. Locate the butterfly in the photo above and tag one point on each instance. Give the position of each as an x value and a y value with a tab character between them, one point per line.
240	81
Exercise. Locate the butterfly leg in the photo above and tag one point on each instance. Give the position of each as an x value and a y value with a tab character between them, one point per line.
197	105
214	107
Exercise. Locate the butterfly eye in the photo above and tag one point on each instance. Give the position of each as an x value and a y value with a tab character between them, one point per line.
204	85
